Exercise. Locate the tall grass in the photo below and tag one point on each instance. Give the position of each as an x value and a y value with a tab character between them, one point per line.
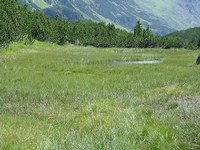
54	97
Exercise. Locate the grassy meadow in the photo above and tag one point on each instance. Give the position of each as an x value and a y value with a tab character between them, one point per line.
67	97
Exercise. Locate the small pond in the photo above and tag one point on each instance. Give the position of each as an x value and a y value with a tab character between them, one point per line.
136	62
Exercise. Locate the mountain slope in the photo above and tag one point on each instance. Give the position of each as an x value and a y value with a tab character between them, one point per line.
164	16
190	36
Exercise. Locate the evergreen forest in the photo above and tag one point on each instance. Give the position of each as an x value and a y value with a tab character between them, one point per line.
19	23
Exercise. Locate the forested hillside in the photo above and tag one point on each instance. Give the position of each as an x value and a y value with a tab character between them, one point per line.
190	36
19	23
164	16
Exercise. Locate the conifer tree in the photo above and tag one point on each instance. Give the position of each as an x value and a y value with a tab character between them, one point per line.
138	30
198	43
18	21
148	38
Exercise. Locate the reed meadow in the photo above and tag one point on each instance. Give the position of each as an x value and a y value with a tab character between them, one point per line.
74	97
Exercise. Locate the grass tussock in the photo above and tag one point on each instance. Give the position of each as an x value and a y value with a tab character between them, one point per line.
54	97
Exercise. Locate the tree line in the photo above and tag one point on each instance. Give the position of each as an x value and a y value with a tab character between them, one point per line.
19	23
191	37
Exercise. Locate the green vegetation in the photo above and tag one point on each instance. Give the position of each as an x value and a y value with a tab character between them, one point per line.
191	37
164	16
67	97
76	97
20	24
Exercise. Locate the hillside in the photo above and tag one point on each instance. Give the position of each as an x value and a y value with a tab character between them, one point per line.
19	23
191	36
164	16
86	85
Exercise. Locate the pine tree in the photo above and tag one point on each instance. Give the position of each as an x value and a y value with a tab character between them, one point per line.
10	22
148	38
138	30
198	43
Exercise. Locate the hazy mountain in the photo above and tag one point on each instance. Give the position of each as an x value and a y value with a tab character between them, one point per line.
164	16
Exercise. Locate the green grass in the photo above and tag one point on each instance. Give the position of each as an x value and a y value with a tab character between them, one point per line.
67	97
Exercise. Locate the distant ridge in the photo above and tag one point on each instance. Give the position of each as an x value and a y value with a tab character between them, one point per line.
191	36
164	16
